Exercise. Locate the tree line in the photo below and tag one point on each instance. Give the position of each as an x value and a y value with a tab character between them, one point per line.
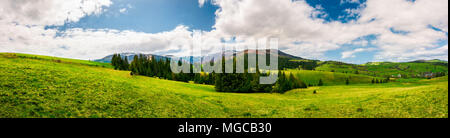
224	82
120	63
376	81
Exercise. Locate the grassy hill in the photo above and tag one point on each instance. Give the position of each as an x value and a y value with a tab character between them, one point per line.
330	78
385	69
40	86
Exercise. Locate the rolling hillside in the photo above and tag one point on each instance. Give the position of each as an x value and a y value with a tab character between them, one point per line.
39	86
330	78
388	69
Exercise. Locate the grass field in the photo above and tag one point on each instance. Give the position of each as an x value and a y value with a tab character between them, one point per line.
37	86
330	78
384	69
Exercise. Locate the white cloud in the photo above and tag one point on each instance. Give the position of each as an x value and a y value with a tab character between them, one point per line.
289	20
293	21
350	1
22	29
412	17
201	2
353	12
351	54
123	10
49	12
361	42
93	44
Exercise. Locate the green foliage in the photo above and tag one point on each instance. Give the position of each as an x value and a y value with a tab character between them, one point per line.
152	67
240	82
320	82
224	82
249	82
120	63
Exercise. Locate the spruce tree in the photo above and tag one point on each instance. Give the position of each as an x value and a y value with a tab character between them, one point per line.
302	84
115	61
120	62
320	82
294	83
134	66
126	65
285	84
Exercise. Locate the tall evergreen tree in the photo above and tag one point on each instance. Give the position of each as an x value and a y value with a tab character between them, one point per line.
320	82
125	65
114	62
134	66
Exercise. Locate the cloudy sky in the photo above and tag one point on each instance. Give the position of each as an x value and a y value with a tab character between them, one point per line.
355	31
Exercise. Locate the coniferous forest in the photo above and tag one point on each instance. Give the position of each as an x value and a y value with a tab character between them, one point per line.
224	82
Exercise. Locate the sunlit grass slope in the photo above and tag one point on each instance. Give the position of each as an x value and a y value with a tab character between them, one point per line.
383	69
46	87
331	78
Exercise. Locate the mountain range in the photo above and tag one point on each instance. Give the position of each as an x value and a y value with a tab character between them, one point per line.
130	56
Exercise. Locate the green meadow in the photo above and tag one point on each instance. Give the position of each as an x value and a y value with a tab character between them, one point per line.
330	78
384	69
46	87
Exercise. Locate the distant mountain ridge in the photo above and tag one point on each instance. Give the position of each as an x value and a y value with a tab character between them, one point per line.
130	56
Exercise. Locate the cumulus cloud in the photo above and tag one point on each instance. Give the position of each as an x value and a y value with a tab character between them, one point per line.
49	12
297	27
94	44
291	21
423	53
407	16
23	29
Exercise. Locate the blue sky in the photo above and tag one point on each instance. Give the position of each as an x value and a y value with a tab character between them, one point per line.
355	31
336	9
